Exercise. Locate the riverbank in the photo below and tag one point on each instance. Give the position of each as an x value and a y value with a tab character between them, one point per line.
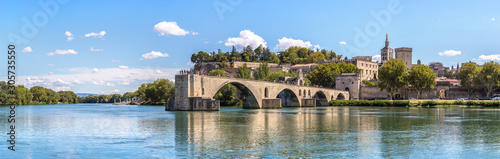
416	103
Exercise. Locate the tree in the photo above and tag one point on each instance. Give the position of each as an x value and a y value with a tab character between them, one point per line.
324	74
217	72
159	91
449	74
468	76
392	75
314	57
258	52
273	58
244	72
489	76
263	72
422	78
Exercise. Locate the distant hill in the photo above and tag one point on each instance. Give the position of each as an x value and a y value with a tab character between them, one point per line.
85	94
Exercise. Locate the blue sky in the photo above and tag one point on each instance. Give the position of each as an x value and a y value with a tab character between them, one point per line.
133	42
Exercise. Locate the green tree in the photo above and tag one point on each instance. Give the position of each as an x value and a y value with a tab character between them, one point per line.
263	72
392	75
489	76
324	74
227	96
468	75
244	72
421	78
217	72
314	57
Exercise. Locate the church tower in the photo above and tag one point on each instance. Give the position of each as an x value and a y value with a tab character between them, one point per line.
386	52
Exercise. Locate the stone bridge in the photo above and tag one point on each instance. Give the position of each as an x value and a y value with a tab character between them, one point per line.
256	94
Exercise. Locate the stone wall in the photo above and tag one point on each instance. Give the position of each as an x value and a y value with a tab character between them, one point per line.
348	82
271	103
372	92
309	102
181	93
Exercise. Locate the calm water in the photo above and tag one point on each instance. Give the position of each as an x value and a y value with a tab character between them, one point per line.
107	131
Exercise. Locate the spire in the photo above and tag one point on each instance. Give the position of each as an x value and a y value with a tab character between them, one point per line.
386	37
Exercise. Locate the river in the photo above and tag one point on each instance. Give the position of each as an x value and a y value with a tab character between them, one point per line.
108	131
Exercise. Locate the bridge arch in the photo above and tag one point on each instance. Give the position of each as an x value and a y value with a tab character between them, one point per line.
321	99
288	97
340	96
251	98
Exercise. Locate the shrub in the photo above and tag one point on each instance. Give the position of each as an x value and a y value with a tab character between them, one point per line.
458	102
445	103
429	103
401	103
470	102
369	83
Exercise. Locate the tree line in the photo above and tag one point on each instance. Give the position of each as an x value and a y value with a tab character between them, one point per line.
292	55
36	95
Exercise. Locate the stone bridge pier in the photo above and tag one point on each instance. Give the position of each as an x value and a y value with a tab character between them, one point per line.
196	92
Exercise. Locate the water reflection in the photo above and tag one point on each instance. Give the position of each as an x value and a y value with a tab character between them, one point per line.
98	131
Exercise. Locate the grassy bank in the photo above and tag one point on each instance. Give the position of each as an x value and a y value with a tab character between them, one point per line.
407	103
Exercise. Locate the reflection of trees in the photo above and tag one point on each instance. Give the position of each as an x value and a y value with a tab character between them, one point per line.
362	132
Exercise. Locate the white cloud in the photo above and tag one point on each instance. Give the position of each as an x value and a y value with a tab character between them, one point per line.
206	42
123	67
27	49
51	65
153	55
490	57
115	91
62	52
158	72
317	47
102	83
190	64
55	84
100	34
95	70
170	28
342	42
115	60
195	33
219	42
84	76
376	58
51	73
124	82
78	82
493	19
92	49
69	35
450	53
285	43
246	38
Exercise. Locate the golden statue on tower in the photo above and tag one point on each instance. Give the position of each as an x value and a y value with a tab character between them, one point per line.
386	37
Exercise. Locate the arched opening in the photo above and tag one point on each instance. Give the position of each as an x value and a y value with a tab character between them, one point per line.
236	94
300	92
301	82
331	98
304	93
309	93
442	94
288	98
202	91
340	97
321	99
266	93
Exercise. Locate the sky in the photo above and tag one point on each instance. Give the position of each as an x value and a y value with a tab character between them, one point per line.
106	47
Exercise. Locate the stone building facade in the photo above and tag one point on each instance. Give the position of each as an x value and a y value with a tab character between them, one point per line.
367	68
386	52
405	54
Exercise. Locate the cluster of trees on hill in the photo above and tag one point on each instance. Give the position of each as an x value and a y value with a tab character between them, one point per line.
36	95
486	77
259	54
292	55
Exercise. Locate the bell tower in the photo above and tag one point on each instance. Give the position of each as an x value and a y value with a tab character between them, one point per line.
386	53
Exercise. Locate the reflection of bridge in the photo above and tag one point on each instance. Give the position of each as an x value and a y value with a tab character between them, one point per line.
192	89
